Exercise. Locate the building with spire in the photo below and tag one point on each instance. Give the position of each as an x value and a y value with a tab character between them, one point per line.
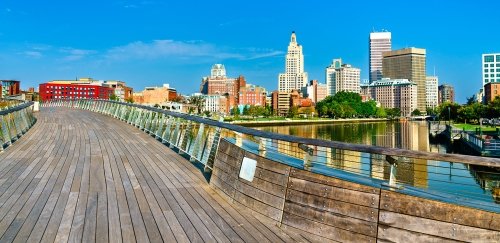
294	77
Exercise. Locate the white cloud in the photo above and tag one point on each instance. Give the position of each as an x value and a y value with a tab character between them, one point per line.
33	54
75	54
184	50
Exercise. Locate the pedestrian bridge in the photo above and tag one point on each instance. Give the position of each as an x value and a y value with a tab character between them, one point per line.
86	171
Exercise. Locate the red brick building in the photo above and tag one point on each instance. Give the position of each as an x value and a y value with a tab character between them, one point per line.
9	87
252	95
491	90
78	89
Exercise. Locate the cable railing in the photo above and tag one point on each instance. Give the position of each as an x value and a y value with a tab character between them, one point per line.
16	118
446	177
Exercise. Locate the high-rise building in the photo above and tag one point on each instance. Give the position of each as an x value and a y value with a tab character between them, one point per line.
379	42
393	93
294	77
330	75
491	68
281	103
446	93
408	63
431	91
219	84
343	78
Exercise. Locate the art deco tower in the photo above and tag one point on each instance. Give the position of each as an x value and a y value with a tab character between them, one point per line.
294	77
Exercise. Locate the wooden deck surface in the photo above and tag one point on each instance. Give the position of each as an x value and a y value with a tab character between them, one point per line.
79	176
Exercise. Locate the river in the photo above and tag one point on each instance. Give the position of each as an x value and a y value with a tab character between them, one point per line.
477	184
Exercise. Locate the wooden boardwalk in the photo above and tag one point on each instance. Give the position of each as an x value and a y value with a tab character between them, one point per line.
79	176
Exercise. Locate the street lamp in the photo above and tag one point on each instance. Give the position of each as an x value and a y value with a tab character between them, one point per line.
449	115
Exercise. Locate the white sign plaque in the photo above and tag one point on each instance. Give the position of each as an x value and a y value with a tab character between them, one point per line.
247	170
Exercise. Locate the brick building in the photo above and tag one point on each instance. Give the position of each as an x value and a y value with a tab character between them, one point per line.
252	95
9	87
84	88
155	95
491	90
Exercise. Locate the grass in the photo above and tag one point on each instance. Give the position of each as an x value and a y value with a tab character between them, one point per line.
472	127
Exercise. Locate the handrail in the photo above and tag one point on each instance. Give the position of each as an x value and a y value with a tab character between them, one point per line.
464	159
16	108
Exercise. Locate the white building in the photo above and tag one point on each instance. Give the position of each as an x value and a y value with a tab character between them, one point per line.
431	91
491	68
294	77
343	78
393	93
379	42
330	76
215	104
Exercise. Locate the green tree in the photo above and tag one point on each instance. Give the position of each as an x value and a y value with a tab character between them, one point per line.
129	100
381	112
416	112
471	100
113	97
245	110
235	111
198	101
448	110
393	112
293	112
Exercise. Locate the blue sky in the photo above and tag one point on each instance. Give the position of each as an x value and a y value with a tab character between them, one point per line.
147	43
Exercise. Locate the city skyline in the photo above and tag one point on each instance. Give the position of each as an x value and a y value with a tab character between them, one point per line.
146	43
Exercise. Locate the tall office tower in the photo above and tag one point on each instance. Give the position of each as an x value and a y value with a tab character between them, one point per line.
379	42
294	77
408	63
491	68
342	77
431	91
446	93
330	76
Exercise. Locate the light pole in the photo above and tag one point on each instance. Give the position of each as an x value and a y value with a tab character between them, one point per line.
449	115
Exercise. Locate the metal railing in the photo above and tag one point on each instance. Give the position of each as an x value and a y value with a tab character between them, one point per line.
16	118
445	177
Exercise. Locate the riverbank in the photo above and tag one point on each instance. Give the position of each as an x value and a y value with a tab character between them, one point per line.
253	123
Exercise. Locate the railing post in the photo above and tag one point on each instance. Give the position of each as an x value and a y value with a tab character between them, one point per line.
308	153
165	138
184	142
213	149
393	165
196	150
262	147
5	131
174	138
159	128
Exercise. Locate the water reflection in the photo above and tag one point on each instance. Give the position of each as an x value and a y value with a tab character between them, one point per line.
475	183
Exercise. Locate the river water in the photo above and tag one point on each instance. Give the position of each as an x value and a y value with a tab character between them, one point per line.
481	185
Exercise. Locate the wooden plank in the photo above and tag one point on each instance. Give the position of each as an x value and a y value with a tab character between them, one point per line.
437	228
340	194
331	181
333	206
260	195
65	226
430	209
335	220
324	230
390	234
258	206
268	164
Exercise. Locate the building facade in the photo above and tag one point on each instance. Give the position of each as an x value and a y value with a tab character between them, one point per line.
252	95
330	75
431	91
294	77
491	91
121	91
155	95
344	78
219	84
84	88
379	43
393	93
315	91
218	104
408	63
9	87
281	103
491	68
446	93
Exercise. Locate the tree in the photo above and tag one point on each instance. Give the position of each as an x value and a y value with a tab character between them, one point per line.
448	110
245	110
198	101
293	112
129	100
393	112
235	111
207	113
471	100
113	97
179	99
381	113
416	112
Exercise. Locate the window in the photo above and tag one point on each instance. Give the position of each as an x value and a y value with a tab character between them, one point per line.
489	58
492	70
492	65
486	65
498	58
486	70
